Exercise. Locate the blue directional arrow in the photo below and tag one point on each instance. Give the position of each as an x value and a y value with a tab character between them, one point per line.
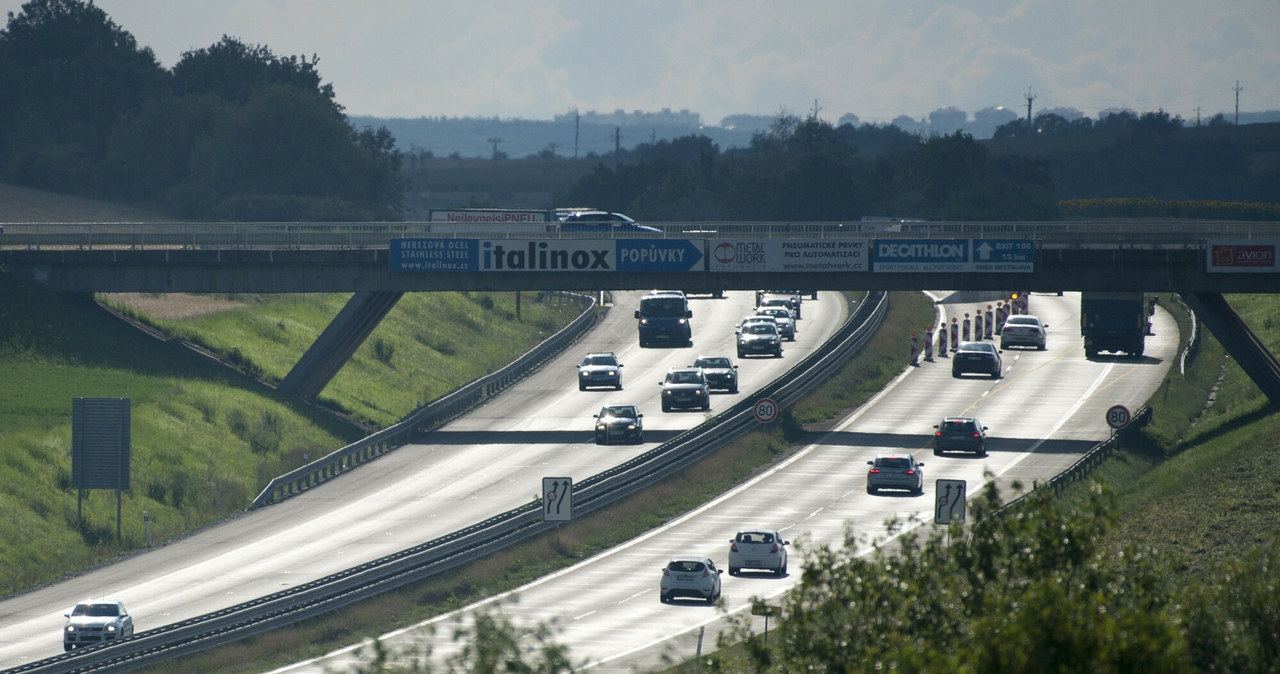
659	255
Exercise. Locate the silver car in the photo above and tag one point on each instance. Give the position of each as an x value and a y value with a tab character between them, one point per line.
1023	330
758	550
95	622
786	321
695	577
600	369
895	471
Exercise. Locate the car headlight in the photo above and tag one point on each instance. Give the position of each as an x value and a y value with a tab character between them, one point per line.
601	427
613	373
631	427
666	392
111	628
683	321
582	373
698	392
644	321
71	629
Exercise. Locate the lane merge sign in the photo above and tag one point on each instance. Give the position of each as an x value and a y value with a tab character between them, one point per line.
1118	417
765	410
949	502
557	499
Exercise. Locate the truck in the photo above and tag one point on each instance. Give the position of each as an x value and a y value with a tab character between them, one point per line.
1117	322
663	317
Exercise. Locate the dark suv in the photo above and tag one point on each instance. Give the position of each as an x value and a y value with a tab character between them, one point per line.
960	434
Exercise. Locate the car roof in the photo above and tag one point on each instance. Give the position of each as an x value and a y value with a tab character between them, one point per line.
714	355
689	558
894	455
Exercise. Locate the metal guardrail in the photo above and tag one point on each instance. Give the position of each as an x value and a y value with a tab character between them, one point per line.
387	573
427	417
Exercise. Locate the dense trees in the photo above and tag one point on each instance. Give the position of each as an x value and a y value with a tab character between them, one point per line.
805	169
232	132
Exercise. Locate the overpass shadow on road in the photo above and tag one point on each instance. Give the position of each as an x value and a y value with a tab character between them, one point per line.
577	436
906	442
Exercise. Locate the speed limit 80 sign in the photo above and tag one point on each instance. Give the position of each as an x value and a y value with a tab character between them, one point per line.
765	410
1118	417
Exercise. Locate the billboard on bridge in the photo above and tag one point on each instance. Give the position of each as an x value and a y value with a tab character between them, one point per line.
546	255
953	255
787	255
1247	256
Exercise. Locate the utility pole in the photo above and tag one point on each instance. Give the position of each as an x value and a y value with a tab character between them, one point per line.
815	109
577	119
495	141
1238	89
617	140
1030	97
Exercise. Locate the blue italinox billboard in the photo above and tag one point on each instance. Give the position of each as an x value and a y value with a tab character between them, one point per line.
545	255
952	255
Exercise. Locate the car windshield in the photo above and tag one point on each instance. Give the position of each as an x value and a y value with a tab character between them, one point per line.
777	313
599	360
893	462
660	305
977	347
686	566
713	362
760	329
96	610
685	377
621	411
1022	320
755	537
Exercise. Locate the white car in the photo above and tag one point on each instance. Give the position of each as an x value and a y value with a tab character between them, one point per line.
758	550
695	577
1023	330
94	622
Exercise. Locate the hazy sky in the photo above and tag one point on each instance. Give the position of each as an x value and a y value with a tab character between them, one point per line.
876	59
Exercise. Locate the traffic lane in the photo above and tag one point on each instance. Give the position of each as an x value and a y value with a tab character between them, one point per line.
819	495
410	496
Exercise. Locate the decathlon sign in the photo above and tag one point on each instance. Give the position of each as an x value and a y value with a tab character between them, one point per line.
953	255
788	255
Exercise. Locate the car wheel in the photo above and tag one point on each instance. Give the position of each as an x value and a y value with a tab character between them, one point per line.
919	491
582	387
955	374
734	389
664	598
739	353
666	407
1042	346
781	570
937	452
640	439
733	571
1003	346
872	490
778	353
706	408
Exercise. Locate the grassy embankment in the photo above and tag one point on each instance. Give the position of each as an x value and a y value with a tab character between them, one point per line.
204	439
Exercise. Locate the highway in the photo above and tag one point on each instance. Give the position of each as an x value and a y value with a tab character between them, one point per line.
489	461
1043	414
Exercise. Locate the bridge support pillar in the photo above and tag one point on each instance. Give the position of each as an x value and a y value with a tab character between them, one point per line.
340	339
1239	341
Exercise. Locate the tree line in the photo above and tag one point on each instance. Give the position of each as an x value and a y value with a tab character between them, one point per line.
231	132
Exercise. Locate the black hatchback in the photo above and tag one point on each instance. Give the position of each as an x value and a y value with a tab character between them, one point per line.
960	434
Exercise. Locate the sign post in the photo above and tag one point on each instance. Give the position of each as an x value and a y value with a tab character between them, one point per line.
949	501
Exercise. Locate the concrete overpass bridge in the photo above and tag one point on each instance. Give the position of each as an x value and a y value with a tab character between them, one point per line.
379	262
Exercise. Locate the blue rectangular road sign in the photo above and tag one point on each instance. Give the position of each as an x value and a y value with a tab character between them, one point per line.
1004	255
659	255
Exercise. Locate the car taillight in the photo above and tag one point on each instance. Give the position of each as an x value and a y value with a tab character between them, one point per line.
937	434
733	547
774	548
976	435
706	572
874	470
908	472
666	571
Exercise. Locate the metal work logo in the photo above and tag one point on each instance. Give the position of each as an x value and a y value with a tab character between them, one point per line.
557	255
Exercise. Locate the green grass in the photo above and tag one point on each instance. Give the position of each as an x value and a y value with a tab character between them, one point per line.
428	345
204	440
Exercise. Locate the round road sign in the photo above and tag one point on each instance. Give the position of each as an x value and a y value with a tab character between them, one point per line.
1118	416
765	410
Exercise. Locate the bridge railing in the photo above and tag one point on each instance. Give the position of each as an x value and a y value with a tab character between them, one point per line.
376	235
